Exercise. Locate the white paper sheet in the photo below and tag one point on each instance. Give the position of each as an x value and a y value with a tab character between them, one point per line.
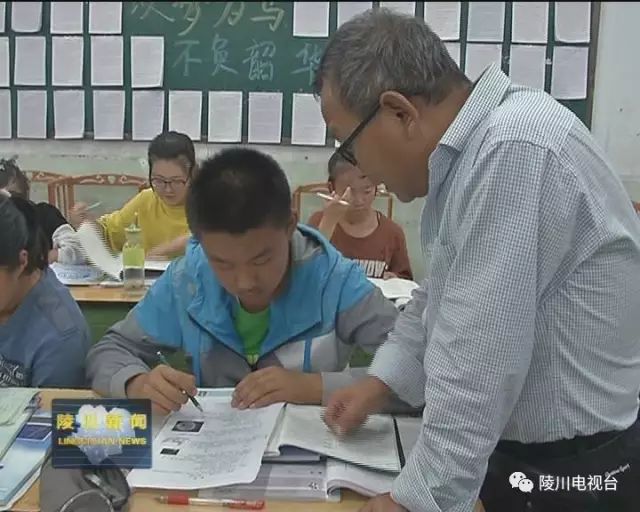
480	56
347	10
66	17
185	113
363	481
222	446
148	114
454	51
311	19
68	58
372	445
486	21
530	22
105	17
307	124
444	19
569	73
395	288
5	114
527	65
76	275
4	62
68	114
225	116
26	16
29	67
400	7
106	60
265	117
573	22
3	16
147	61
32	114
108	115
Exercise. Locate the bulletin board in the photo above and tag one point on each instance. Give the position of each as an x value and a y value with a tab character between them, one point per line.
228	71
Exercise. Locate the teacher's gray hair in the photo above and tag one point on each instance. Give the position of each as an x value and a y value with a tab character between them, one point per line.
380	51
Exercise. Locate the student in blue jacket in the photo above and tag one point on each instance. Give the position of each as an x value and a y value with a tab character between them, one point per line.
258	302
43	336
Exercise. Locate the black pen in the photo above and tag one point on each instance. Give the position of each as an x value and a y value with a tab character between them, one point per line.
163	360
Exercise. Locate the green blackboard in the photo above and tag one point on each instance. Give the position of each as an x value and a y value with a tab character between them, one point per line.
245	46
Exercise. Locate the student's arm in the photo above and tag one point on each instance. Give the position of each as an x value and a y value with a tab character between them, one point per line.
170	249
130	347
67	248
114	224
400	264
59	360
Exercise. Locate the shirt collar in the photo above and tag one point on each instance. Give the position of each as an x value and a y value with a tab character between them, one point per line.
487	94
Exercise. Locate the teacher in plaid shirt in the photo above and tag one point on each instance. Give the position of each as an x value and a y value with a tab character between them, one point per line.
523	344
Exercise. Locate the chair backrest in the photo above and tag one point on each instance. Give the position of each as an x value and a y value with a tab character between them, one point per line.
49	179
65	189
311	189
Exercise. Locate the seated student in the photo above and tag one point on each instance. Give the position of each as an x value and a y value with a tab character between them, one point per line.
258	302
160	209
43	336
62	244
359	231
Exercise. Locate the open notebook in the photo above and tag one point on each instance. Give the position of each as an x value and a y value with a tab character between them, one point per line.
373	445
96	251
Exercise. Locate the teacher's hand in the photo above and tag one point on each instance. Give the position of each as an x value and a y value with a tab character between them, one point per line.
382	503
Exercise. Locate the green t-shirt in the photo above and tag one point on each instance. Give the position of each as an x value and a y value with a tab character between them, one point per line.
252	329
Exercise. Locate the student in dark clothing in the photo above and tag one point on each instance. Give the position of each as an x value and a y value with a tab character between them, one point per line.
62	244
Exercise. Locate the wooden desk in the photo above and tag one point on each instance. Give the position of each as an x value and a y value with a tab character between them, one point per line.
144	500
102	294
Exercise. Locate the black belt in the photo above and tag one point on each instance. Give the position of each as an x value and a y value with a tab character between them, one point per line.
556	449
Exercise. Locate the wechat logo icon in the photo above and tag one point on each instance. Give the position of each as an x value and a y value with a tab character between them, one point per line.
520	480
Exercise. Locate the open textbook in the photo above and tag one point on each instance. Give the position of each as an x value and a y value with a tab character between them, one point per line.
98	253
373	445
319	481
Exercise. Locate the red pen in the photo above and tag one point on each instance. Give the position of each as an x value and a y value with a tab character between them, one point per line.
185	499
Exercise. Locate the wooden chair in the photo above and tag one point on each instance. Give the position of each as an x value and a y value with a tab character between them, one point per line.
313	188
49	179
65	189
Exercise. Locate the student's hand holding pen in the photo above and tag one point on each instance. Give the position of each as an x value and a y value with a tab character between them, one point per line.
335	209
167	388
80	212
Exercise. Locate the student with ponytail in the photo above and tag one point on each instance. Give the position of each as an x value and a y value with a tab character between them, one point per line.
43	335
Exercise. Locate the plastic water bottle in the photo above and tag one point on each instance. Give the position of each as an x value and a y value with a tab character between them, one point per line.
133	258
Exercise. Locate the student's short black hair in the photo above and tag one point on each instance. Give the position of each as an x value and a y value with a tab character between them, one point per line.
237	190
173	146
13	179
20	230
337	163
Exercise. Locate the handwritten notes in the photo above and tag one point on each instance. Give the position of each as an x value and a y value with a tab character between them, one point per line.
530	22
66	17
26	16
148	114
569	73
147	61
311	19
347	10
527	65
5	114
265	117
185	113
67	61
106	60
68	114
108	115
4	62
486	21
408	8
573	22
105	17
307	125
32	114
444	19
225	116
480	56
29	61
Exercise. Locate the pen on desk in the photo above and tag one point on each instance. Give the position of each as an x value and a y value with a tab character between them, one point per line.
163	360
93	206
329	198
184	499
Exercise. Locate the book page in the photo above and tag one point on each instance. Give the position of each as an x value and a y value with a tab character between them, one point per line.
372	445
366	482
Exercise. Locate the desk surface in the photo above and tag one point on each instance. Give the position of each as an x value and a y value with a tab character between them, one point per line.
144	500
104	294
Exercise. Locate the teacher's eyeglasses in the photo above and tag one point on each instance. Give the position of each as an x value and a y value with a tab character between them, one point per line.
346	148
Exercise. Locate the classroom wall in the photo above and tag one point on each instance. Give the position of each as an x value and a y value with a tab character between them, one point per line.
616	125
616	109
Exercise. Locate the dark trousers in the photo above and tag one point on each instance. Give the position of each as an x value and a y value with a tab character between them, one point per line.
557	469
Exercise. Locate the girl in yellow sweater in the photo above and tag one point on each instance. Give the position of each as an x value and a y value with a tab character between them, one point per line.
160	209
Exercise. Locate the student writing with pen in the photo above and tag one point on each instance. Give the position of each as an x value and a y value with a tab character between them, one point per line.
259	302
356	228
